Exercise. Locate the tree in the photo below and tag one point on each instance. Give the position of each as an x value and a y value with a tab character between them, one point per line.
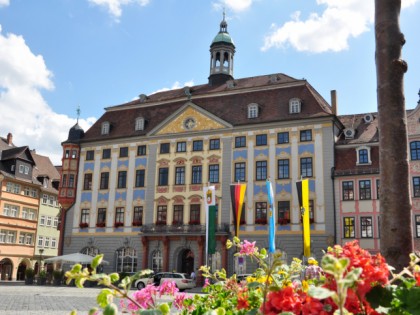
395	208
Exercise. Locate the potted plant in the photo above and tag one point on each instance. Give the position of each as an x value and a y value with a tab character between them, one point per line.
58	276
83	225
100	224
29	276
42	277
118	224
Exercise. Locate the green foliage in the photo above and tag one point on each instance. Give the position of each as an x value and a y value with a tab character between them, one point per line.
58	274
29	273
42	274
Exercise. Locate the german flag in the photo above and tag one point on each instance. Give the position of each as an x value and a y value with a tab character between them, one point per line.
237	195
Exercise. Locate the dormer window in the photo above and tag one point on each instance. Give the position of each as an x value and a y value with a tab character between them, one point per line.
139	123
252	110
105	128
363	156
294	106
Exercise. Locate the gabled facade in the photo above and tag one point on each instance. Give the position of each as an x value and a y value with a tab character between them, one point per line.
143	166
357	179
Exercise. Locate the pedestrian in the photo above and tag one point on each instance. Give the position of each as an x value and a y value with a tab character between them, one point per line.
193	276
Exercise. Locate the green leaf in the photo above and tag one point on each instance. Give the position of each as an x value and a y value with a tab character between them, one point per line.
379	296
104	297
319	293
93	311
110	309
114	277
96	261
164	308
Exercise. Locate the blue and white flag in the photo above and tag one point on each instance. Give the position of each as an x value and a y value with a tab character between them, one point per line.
271	219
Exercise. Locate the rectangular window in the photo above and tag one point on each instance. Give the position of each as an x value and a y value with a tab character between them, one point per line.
283	169
416	186
47	242
90	155
63	181
141	150
163	176
138	216
282	137
71	180
415	150
21	168
104	180
42	220
67	154
162	212
49	221
40	241
378	186
87	184
84	217
366	227
101	219
123	152
261	139
348	190
180	175
55	222
44	199
363	156
178	214
214	144
53	243
119	216
198	145
106	154
139	178
122	179
194	214
417	221
240	142
214	173
305	135
240	172
306	167
283	212
181	146
348	224
196	174
22	238
164	148
261	170
260	213
364	190
73	154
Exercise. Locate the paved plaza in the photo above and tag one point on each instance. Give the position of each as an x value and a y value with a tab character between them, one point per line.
20	299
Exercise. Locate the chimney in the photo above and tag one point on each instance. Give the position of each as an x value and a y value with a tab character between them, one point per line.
334	101
9	139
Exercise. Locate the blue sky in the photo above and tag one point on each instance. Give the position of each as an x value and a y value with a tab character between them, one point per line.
56	55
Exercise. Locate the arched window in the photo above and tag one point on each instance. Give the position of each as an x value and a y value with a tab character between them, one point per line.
91	251
139	123
157	261
253	110
105	128
294	106
126	259
363	155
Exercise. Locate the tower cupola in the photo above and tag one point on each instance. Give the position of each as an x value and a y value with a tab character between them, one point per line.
222	50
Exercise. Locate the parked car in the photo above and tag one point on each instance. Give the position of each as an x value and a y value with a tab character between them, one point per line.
142	282
182	280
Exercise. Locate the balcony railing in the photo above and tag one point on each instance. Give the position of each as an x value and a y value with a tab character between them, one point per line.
182	229
357	171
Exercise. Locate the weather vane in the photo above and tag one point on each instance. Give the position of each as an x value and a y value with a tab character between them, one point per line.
78	113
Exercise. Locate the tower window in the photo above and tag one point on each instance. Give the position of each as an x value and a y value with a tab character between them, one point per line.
139	123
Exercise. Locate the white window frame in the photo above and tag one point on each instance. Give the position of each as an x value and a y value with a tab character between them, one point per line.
105	128
53	242
55	222
47	242
40	241
139	124
49	221
28	239
21	168
42	220
368	153
253	111
295	105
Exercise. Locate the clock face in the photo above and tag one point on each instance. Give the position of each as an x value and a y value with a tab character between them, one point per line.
189	123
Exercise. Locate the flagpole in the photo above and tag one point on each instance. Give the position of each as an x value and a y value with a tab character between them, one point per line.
207	227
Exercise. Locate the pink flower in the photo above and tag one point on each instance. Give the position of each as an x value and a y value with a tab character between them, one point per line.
179	300
206	282
247	248
144	297
168	287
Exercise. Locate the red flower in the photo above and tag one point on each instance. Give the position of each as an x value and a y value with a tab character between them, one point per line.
285	300
242	302
417	277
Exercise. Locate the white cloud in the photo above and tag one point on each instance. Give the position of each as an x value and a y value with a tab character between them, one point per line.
25	113
4	3
115	6
237	5
329	31
175	86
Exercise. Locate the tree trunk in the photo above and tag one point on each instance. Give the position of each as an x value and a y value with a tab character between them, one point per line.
395	223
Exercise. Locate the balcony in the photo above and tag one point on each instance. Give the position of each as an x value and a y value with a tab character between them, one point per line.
153	229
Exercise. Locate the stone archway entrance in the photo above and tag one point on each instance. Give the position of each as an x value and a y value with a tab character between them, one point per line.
20	276
186	261
6	269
